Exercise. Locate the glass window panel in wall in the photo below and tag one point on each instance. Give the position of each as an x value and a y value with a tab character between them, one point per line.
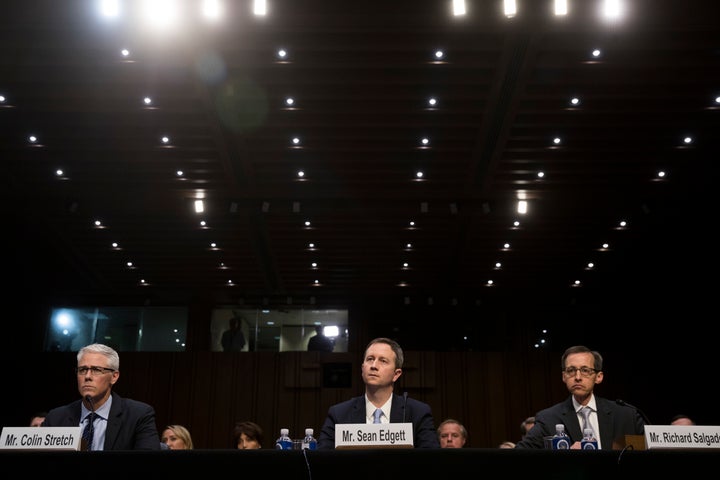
277	330
123	328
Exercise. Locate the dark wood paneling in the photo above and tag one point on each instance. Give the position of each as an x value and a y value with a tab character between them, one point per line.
490	392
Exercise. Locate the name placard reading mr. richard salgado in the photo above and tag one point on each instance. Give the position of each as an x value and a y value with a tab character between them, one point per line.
40	438
373	435
682	436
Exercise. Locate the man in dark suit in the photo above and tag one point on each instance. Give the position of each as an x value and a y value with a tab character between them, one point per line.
381	367
609	420
233	339
117	423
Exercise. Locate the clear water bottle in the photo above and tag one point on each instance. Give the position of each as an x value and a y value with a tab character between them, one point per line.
309	442
284	442
588	442
560	441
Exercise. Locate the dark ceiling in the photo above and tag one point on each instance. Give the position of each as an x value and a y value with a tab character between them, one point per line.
361	74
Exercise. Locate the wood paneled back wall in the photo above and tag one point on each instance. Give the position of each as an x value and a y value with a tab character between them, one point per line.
490	392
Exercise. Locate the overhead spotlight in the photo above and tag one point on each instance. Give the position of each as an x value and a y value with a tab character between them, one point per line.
199	206
510	7
211	9
459	7
260	7
612	9
110	8
522	206
561	7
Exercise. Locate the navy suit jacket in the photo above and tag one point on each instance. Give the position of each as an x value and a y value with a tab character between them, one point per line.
130	425
614	421
353	411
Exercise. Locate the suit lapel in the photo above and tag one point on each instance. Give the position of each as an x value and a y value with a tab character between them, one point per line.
113	422
397	410
604	417
571	421
357	415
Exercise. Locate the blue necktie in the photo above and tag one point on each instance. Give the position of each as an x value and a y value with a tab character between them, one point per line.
376	415
88	432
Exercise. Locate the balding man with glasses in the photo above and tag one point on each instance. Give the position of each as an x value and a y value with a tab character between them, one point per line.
108	421
609	420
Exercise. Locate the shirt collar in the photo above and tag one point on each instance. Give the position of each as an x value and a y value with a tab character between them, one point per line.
102	412
370	408
592	404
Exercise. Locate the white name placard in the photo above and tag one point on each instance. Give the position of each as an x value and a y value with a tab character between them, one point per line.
682	436
373	435
40	438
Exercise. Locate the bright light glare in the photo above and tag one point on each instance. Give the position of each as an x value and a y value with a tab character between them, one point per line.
510	8
110	8
561	7
331	331
161	13
211	9
64	320
459	7
199	206
522	206
260	7
612	9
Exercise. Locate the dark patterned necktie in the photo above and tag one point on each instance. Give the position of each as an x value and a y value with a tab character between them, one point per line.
89	431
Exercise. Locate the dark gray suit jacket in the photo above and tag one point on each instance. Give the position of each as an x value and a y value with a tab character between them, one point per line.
353	411
130	425
614	421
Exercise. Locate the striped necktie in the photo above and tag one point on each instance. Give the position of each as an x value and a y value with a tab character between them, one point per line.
89	431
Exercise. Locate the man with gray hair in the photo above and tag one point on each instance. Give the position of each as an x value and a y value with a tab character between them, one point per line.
109	421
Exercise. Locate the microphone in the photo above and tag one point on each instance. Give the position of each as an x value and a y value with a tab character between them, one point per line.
89	400
645	418
404	405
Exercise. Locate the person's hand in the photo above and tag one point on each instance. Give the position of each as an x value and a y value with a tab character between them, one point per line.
575	446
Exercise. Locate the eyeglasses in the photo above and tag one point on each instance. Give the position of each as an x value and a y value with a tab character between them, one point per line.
94	371
584	371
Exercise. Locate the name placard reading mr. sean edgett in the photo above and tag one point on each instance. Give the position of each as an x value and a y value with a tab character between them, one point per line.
40	438
374	435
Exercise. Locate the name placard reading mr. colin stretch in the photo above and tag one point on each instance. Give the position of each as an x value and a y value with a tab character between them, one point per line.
374	435
40	438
